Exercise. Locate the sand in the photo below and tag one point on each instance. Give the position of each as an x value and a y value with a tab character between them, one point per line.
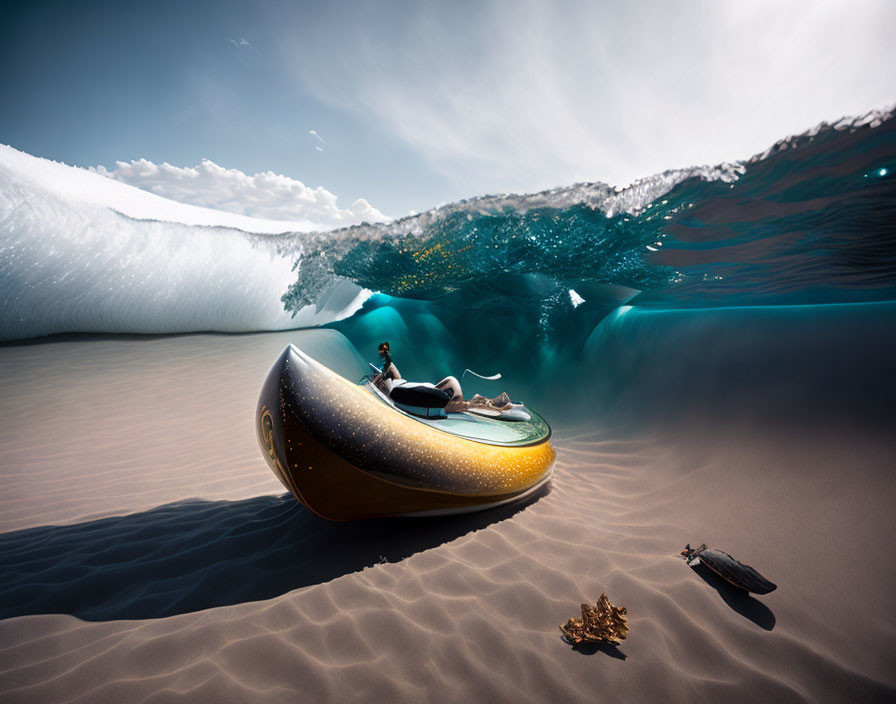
147	553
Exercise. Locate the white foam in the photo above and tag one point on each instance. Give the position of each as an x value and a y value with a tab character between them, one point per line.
82	253
871	119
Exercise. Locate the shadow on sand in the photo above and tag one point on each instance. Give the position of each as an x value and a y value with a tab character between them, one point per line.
197	554
738	599
592	648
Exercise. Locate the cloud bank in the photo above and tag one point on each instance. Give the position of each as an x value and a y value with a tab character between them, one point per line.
265	195
523	95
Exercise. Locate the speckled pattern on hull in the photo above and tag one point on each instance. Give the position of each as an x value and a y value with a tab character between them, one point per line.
345	455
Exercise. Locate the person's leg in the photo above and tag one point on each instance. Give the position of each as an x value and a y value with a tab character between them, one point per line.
450	382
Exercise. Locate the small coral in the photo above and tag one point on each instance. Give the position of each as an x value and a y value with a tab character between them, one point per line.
601	623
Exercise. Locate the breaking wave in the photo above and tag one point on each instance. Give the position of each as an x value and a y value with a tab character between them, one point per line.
810	220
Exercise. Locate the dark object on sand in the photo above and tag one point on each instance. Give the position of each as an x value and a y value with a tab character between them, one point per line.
601	623
740	575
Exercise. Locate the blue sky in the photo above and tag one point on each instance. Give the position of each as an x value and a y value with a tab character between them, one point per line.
422	103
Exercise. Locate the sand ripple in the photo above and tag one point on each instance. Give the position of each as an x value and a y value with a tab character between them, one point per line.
202	582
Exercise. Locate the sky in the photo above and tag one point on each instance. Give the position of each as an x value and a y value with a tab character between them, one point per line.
394	107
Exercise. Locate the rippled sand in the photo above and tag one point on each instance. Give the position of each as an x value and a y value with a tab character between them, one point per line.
148	554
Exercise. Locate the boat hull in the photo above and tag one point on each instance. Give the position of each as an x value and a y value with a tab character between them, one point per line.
346	455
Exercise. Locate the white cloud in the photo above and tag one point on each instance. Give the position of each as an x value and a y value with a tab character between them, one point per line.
241	42
515	95
265	195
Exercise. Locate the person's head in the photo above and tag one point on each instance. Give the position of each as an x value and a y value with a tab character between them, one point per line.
384	349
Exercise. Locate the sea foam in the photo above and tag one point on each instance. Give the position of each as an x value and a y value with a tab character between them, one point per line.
82	253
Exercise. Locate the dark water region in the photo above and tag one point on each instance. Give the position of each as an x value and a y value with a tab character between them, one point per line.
813	222
194	555
790	367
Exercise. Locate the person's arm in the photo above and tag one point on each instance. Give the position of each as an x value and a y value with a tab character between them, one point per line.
382	376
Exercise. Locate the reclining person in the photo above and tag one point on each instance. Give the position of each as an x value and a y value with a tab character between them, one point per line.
389	377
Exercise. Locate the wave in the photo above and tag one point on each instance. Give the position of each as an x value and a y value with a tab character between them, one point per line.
82	253
520	287
810	220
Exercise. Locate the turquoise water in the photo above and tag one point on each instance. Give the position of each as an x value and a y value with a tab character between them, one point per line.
714	267
810	222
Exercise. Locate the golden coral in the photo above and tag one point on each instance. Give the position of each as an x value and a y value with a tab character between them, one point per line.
601	623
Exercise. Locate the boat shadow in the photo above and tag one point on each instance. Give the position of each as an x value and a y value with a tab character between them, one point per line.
197	554
738	599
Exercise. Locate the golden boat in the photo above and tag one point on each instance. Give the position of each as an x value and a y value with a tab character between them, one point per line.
347	452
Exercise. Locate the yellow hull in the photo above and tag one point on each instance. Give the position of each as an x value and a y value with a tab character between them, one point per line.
346	455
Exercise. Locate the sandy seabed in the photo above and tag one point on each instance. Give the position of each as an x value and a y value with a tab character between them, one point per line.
147	553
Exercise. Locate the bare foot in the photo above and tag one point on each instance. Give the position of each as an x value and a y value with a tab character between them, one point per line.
499	403
502	400
456	405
